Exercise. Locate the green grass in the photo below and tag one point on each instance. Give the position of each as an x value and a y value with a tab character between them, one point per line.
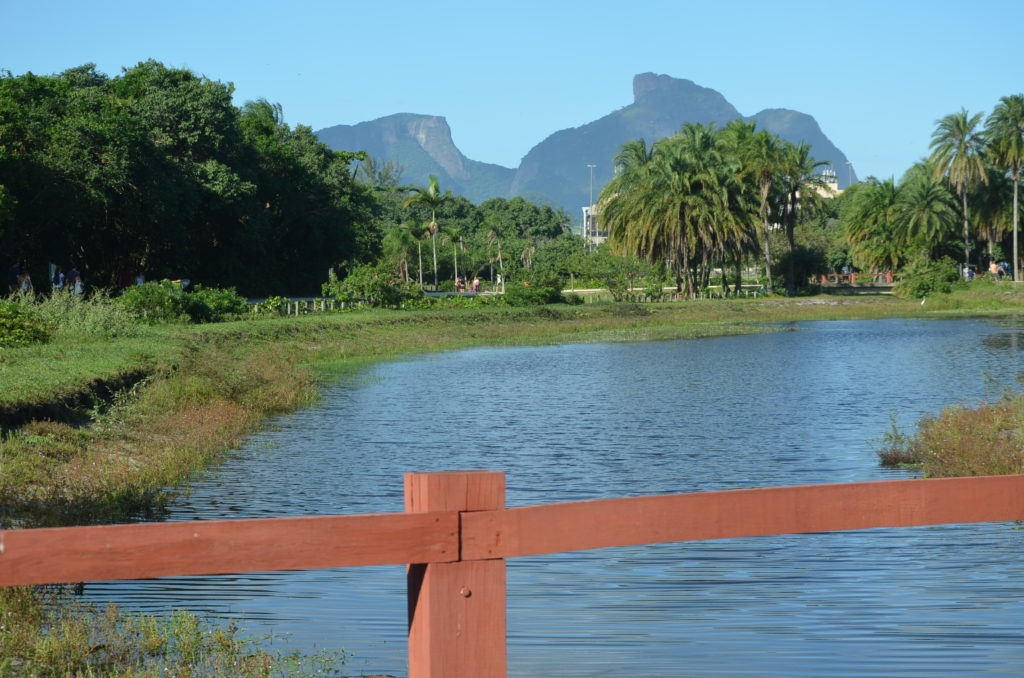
82	640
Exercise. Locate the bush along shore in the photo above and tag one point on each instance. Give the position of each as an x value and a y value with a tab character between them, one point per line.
963	441
109	412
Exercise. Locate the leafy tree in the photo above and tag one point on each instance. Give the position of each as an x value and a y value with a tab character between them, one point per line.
957	145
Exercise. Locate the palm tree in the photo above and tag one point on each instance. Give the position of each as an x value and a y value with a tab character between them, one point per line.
451	236
432	199
736	138
760	157
494	241
957	154
802	192
926	211
991	211
869	215
1005	131
396	244
675	204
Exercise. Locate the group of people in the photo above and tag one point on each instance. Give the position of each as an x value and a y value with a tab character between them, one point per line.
998	269
20	282
460	285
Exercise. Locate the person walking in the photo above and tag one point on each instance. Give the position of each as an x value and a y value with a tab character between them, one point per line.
58	279
74	280
25	282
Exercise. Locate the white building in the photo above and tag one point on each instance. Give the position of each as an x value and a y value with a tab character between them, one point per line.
592	233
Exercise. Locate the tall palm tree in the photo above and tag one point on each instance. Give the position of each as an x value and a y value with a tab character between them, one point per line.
802	190
1005	132
957	145
761	156
736	139
430	198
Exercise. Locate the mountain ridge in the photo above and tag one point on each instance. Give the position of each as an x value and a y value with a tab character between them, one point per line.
554	171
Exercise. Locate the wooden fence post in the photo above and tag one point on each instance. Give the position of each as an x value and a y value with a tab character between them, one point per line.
456	610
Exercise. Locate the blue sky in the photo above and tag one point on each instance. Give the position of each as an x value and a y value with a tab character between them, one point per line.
876	75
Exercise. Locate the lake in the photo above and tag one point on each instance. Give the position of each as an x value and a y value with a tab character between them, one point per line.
807	404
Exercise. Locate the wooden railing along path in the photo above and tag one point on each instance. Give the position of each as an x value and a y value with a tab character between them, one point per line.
456	532
886	278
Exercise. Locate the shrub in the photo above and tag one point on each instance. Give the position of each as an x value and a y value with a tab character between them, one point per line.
374	284
18	328
572	298
77	315
530	294
272	305
165	301
156	302
214	304
923	276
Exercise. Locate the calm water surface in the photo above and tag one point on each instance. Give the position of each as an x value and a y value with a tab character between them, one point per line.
604	420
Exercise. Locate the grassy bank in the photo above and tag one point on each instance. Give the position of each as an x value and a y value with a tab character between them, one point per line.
129	416
160	406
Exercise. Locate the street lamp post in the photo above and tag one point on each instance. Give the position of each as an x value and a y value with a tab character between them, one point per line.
589	226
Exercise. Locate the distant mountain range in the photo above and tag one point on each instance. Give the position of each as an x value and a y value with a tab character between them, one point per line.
554	172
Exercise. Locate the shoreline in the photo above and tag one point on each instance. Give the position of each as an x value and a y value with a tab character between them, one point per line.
111	455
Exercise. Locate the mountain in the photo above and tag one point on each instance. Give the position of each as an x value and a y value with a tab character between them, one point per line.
555	171
422	145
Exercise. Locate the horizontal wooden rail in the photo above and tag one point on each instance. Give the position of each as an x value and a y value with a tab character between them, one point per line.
574	526
73	554
456	533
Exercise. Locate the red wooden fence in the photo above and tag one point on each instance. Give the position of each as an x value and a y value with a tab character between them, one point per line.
456	533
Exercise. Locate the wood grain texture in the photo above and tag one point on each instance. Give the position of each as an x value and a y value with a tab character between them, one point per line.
554	528
73	554
457	621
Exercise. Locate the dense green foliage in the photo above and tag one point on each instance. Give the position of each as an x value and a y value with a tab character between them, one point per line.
155	171
165	301
18	328
924	276
707	198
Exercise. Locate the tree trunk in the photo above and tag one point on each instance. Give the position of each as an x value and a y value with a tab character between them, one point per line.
791	264
967	245
419	253
1016	265
433	243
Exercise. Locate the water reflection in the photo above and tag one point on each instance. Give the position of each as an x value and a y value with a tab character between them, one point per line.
588	421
